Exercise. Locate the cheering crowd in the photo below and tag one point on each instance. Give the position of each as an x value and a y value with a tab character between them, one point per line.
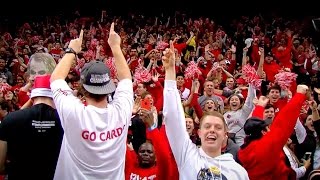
167	97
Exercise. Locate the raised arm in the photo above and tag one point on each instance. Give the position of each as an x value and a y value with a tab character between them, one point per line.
244	56
260	67
284	123
248	104
63	67
114	41
173	112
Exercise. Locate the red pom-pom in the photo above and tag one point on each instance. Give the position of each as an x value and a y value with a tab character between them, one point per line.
111	65
162	45
142	75
284	79
192	71
250	76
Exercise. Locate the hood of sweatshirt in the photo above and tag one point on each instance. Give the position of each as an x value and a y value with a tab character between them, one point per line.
222	167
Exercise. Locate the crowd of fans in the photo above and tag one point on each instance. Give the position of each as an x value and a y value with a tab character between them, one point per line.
248	74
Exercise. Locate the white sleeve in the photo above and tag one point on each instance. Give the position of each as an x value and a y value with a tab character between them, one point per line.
176	130
67	105
300	131
248	104
300	171
123	99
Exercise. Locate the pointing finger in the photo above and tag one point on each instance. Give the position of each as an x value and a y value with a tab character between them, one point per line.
81	35
171	46
112	27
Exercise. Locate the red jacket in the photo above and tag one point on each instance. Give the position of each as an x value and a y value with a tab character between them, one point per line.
285	56
280	104
173	168
264	158
162	169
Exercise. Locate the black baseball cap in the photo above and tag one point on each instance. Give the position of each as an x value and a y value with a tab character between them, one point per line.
255	125
95	77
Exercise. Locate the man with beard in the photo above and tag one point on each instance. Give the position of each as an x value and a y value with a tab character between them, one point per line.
262	153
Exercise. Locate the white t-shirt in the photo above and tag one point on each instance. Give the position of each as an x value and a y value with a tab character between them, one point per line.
185	94
94	141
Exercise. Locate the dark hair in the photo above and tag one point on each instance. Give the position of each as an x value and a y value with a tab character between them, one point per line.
240	98
96	97
252	129
276	87
180	74
250	138
4	105
268	106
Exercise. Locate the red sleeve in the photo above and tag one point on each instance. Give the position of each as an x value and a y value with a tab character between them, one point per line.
293	87
282	127
258	112
158	96
131	159
309	66
22	98
196	106
173	168
255	54
162	153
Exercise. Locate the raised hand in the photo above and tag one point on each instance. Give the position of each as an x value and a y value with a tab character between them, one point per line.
168	58
313	105
114	39
146	116
262	101
195	86
302	89
155	77
76	44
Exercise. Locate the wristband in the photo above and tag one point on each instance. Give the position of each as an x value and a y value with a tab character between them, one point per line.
154	126
70	50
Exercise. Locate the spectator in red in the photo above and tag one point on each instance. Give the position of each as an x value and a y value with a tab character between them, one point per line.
270	67
262	154
153	160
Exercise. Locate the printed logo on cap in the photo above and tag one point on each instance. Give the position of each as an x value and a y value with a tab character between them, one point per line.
99	78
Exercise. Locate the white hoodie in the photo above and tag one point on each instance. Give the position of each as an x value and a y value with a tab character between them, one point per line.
193	162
